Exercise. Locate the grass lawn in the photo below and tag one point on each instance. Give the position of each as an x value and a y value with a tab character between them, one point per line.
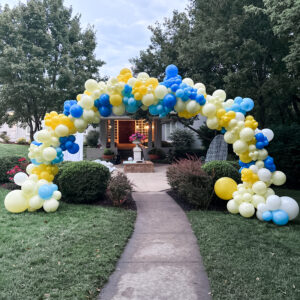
68	254
249	259
13	149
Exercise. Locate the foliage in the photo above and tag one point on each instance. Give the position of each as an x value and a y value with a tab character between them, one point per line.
22	141
119	189
225	44
8	163
83	182
4	137
92	138
45	58
19	167
284	148
221	168
69	254
206	135
234	270
108	151
234	163
191	182
157	151
185	153
181	138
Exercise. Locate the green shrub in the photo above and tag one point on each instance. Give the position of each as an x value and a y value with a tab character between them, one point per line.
61	167
92	138
108	152
222	168
6	164
119	189
185	153
191	182
234	163
22	141
157	151
182	138
83	182
284	148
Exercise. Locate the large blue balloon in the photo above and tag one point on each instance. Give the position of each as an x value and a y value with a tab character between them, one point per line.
267	216
76	111
247	104
171	71
45	191
169	100
74	148
104	100
200	99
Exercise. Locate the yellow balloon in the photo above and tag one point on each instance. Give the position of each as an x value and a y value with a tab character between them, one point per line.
115	100
225	187
15	202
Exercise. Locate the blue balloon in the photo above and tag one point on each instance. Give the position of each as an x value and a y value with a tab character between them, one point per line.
68	145
171	71
54	187
97	103
153	110
179	93
35	162
76	111
200	99
36	143
45	191
160	109
174	87
247	104
238	100
267	216
169	100
58	150
105	111
74	149
280	217
127	89
131	109
132	102
104	100
259	137
71	138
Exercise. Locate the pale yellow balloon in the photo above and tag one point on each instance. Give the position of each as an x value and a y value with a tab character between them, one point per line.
29	168
29	187
131	81
188	81
180	105
192	107
50	205
15	202
86	102
49	153
257	199
80	124
91	85
148	99
61	130
240	146
247	134
229	137
220	94
56	195
278	178
143	76
160	91
259	187
119	110
212	123
88	115
36	202
43	136
209	110
246	210
232	207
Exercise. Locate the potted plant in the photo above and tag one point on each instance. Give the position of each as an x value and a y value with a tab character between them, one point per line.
137	138
108	154
156	153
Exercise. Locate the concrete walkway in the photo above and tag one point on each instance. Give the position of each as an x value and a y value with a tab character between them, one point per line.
161	260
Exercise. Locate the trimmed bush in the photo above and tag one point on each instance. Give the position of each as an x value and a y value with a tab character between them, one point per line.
119	189
6	164
182	138
191	182
234	163
22	141
92	138
83	182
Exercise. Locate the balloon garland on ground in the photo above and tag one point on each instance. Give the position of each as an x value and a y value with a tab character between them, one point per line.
126	94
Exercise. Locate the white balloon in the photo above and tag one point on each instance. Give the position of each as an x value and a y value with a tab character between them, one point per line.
268	133
239	116
259	215
290	206
264	174
20	178
262	207
51	205
254	168
273	202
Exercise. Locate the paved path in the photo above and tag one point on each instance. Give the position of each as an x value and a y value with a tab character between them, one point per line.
161	260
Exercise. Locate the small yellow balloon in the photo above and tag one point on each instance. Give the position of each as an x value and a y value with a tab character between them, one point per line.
225	187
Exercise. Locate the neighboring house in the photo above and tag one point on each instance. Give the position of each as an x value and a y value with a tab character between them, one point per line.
16	132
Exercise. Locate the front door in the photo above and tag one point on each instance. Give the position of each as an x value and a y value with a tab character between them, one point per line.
126	129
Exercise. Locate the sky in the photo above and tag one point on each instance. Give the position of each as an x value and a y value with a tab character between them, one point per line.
121	26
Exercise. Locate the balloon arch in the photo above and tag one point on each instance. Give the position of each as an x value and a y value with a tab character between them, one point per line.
127	94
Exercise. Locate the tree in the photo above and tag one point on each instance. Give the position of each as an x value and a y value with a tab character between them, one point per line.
227	44
45	59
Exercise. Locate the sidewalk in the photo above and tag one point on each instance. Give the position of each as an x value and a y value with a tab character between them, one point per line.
162	259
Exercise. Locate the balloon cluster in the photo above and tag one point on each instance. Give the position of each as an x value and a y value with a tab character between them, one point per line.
126	94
